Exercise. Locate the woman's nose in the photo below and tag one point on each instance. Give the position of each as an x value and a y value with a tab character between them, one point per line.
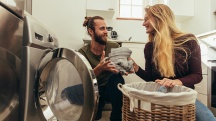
144	23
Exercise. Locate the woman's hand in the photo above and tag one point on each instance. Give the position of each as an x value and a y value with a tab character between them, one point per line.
135	66
169	82
105	65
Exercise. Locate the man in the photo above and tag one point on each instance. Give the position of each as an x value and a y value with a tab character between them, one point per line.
106	73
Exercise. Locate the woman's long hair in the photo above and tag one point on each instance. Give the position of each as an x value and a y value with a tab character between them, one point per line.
165	39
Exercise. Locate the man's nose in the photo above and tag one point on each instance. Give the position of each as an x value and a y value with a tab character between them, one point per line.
105	31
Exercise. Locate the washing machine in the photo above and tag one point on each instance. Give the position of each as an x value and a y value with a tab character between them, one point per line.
56	83
11	33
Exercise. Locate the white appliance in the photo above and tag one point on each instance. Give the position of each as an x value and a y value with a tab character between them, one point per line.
208	49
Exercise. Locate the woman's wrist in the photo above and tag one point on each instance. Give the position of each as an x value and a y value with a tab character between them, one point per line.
136	67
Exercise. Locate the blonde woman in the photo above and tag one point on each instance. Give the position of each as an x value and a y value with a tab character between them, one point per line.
171	56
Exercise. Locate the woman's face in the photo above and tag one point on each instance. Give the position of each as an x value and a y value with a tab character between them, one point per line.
148	25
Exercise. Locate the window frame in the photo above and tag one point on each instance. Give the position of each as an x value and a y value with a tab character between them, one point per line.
130	18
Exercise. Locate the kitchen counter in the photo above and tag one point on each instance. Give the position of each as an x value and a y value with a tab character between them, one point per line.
86	41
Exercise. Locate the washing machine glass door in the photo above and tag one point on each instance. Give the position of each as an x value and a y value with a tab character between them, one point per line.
67	88
9	82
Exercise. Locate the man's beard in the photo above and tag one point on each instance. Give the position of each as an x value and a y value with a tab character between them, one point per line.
99	39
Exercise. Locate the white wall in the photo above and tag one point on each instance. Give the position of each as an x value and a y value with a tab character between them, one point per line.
129	28
203	20
64	18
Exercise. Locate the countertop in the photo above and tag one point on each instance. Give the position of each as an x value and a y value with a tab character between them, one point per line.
86	40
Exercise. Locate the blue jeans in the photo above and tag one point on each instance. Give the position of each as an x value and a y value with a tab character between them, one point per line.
203	113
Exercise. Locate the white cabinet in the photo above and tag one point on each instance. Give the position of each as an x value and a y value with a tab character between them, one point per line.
100	4
183	9
202	98
201	87
104	8
138	56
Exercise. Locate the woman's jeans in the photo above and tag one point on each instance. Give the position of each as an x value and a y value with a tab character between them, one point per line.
112	94
203	113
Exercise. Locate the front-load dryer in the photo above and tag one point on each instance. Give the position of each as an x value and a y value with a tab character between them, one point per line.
11	36
56	83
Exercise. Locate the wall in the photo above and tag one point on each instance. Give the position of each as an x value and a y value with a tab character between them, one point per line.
63	17
203	19
129	28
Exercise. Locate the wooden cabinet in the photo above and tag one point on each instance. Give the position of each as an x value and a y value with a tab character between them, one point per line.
104	8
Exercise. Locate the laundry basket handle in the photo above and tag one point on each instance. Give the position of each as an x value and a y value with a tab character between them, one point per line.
122	90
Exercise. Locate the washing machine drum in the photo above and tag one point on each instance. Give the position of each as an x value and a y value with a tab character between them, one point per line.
67	88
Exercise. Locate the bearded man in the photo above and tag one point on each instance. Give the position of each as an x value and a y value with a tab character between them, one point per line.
106	73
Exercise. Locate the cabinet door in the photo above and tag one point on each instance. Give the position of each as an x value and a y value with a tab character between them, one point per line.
183	9
202	86
138	56
202	98
100	4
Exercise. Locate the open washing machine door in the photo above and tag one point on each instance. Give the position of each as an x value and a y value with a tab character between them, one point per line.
67	88
56	83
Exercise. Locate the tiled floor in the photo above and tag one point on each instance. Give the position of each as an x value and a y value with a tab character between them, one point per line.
105	116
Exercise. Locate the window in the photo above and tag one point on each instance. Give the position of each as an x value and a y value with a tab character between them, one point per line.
134	9
131	9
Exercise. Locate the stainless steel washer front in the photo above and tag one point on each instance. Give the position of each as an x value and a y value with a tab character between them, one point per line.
56	83
67	88
9	85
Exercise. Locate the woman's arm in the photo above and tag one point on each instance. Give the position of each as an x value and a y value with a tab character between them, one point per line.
147	73
194	64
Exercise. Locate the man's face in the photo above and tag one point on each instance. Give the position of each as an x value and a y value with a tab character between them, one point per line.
100	32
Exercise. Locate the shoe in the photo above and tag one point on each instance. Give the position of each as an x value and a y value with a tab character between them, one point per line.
98	116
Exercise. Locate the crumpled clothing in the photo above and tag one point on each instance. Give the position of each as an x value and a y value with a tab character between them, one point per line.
75	94
119	57
162	89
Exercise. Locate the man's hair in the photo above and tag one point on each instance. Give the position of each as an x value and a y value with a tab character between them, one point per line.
89	22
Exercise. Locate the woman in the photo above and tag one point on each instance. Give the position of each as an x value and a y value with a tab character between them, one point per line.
172	57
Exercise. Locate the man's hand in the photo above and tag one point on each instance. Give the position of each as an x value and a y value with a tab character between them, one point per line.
169	82
104	65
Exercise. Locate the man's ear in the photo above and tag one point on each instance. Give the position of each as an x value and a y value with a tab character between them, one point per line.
90	31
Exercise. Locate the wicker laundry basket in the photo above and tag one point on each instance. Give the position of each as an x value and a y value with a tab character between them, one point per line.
142	102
